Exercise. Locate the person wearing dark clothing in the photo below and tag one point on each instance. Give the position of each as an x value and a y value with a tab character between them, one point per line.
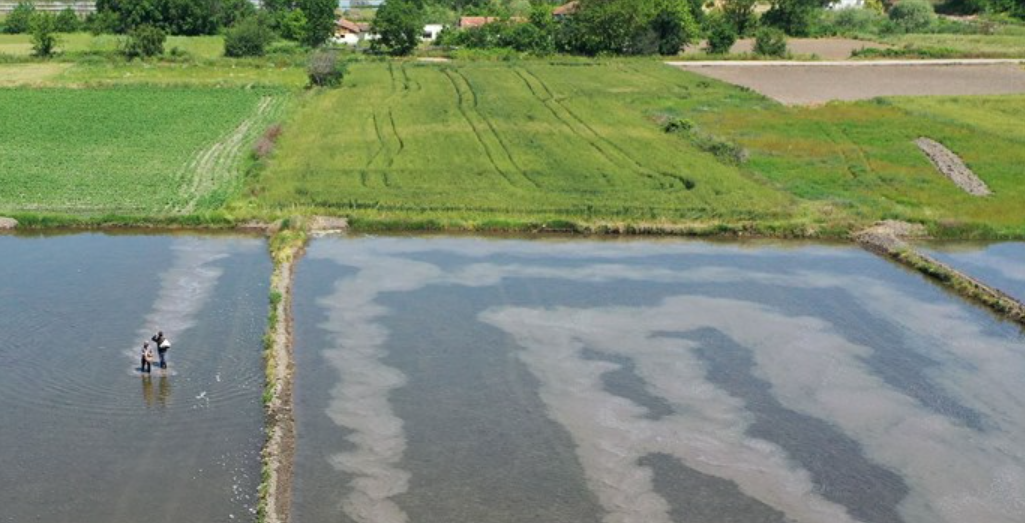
146	355
162	345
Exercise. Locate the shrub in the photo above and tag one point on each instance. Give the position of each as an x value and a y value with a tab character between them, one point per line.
44	37
326	70
18	20
677	125
249	37
721	34
770	41
851	21
144	41
913	16
67	21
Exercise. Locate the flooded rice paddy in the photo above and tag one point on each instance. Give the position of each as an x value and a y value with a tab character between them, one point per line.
1001	265
447	380
84	436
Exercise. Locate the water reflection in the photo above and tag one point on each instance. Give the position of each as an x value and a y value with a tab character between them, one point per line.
749	372
159	397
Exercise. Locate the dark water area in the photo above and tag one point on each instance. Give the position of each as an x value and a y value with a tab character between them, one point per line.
84	436
464	379
1001	265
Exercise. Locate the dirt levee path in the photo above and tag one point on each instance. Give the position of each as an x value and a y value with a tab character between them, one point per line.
795	83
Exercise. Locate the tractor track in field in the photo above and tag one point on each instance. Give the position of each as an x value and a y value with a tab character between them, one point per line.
215	165
494	131
476	132
654	176
395	131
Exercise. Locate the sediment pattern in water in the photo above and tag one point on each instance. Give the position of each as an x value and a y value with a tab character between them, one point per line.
744	372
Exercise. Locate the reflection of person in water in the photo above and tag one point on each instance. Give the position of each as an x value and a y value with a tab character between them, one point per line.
147	391
159	397
163	390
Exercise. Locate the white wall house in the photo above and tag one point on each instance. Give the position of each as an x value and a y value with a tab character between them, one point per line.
431	32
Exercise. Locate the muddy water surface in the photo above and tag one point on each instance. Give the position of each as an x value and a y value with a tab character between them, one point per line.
464	380
84	436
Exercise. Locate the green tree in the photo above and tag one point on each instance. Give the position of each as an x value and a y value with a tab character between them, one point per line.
249	37
44	35
741	15
399	24
67	21
20	18
628	27
320	21
234	11
293	25
793	17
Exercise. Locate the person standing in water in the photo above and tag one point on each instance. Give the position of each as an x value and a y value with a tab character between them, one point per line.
147	354
162	345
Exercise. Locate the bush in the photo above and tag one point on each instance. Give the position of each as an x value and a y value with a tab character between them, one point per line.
913	16
20	17
326	70
144	41
249	37
851	21
721	34
44	37
770	41
67	21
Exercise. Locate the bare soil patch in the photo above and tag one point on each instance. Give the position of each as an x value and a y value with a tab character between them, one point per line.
7	224
816	84
953	167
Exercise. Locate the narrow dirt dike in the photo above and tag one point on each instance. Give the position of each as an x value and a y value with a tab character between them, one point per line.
951	166
887	239
287	245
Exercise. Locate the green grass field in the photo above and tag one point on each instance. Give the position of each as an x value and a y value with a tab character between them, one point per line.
980	46
479	142
197	46
860	158
147	151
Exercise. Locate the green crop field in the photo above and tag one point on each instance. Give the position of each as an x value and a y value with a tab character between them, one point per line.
141	150
197	46
482	141
860	158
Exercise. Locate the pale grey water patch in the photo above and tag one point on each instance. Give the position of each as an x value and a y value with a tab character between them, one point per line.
85	441
624	382
696	497
1001	265
870	493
